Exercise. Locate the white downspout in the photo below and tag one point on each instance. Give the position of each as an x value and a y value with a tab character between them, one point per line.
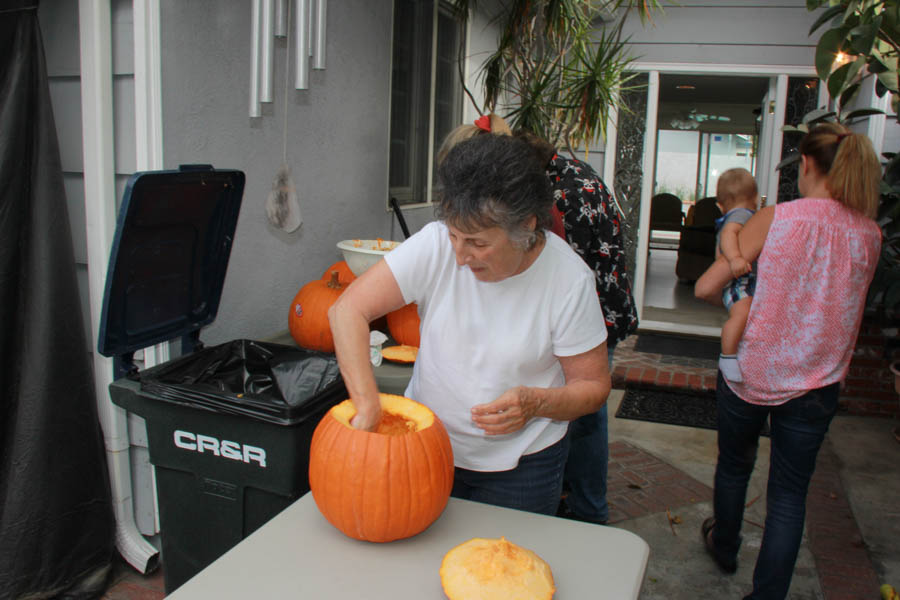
94	25
149	132
148	111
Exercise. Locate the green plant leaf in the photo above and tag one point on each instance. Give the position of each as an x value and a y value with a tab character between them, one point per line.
862	112
843	77
826	50
862	37
889	79
817	115
812	5
892	171
788	160
848	94
875	63
492	79
851	16
891	16
826	16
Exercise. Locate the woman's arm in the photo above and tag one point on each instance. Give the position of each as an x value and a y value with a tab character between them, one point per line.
586	390
751	240
373	294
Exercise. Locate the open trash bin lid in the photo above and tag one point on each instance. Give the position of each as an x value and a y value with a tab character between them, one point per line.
169	256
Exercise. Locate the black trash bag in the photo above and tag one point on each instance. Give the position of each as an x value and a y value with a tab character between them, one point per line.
269	382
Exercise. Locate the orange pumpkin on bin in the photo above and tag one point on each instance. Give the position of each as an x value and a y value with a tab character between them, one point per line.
308	315
403	324
384	485
345	275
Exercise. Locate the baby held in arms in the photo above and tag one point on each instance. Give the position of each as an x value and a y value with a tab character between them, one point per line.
737	196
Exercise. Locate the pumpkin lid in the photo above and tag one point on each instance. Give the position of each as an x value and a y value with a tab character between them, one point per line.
495	569
169	256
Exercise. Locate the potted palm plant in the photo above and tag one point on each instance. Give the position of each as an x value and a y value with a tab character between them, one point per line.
560	66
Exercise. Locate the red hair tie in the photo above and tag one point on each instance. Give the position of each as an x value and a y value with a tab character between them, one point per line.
483	123
841	137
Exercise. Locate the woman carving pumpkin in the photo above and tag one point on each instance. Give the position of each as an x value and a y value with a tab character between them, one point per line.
513	341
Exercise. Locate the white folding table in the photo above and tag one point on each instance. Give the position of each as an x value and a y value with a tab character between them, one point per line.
298	554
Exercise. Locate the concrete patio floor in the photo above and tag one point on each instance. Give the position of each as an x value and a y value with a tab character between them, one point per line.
660	487
853	514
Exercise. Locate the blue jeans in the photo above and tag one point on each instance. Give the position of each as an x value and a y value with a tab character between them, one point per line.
534	485
586	468
798	428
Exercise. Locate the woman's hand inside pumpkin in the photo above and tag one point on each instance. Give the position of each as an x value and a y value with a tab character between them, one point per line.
367	416
508	413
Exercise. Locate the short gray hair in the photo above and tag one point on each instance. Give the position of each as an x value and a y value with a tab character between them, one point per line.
495	181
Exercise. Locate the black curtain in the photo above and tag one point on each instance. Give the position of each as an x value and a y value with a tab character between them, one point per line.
57	529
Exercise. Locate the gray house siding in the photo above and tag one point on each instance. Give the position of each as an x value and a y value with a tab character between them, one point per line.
59	28
337	134
726	32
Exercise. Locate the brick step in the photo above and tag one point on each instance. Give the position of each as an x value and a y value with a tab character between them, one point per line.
670	380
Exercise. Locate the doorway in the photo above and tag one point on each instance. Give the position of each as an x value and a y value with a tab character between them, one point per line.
705	125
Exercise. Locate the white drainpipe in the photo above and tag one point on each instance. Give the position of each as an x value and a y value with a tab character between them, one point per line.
94	25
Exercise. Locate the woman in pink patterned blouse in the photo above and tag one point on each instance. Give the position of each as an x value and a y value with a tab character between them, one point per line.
816	258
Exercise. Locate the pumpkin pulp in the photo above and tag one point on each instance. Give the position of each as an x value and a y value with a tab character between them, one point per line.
394	425
399	415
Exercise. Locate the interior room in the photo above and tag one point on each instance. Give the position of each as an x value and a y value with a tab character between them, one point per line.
706	125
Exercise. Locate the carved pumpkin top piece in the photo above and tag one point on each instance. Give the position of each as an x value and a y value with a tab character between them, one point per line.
495	569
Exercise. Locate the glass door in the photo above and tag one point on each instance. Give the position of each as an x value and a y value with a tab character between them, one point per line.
720	152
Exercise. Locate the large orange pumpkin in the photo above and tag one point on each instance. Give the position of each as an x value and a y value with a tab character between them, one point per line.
403	324
345	275
384	485
308	316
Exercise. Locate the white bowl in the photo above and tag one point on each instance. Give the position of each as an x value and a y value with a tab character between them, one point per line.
362	254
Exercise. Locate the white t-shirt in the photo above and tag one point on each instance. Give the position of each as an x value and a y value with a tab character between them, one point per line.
479	339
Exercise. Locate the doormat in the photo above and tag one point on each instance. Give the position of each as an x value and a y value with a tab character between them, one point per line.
673	345
672	408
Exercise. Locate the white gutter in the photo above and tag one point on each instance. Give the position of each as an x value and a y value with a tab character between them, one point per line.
148	137
148	111
94	25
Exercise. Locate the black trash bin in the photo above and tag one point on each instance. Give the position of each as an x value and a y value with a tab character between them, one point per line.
229	426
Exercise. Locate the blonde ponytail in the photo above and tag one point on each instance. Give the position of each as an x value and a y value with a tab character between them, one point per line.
855	175
848	160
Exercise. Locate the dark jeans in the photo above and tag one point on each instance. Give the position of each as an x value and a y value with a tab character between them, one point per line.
798	428
586	468
534	485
